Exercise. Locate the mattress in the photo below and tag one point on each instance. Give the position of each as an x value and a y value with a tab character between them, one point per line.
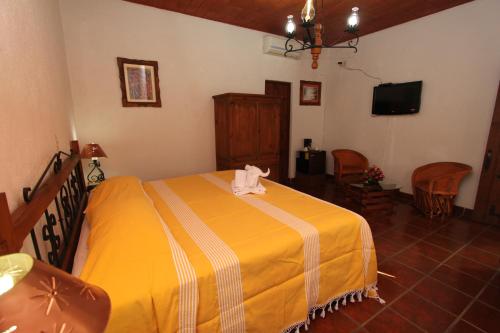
81	250
186	255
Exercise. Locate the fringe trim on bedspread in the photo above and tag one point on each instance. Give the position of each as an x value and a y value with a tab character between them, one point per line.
351	296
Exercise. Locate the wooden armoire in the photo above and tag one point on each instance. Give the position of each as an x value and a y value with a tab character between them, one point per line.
247	131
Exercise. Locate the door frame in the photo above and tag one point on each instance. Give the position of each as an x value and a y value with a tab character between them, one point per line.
488	170
284	146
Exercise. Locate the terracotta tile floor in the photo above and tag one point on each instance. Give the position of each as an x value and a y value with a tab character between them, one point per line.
446	275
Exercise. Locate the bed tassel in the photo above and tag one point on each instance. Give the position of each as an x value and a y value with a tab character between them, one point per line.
344	301
336	305
352	298
359	296
313	314
330	307
323	313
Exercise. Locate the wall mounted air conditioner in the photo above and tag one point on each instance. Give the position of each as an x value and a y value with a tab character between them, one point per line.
276	46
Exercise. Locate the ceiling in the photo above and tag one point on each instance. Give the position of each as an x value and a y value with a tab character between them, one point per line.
270	15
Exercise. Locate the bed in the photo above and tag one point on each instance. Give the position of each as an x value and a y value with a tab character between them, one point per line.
186	255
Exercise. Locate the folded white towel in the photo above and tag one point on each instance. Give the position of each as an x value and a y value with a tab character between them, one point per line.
247	181
240	178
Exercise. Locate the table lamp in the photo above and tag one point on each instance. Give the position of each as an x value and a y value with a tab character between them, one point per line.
94	151
37	297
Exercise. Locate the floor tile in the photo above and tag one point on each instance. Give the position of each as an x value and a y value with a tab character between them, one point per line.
464	327
387	247
404	275
486	258
483	316
336	322
388	289
390	322
461	231
430	251
414	231
496	280
487	243
491	296
417	261
423	313
400	236
442	295
470	267
363	311
458	280
444	242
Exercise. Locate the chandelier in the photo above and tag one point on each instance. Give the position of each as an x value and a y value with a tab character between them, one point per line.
312	39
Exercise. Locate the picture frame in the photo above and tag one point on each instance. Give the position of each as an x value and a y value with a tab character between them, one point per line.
310	93
139	83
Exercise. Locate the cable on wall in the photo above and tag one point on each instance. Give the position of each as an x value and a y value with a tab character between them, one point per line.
344	65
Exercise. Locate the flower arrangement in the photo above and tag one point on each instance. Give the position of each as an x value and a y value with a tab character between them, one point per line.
374	175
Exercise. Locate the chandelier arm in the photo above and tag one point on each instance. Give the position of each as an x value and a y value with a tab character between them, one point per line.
355	43
289	47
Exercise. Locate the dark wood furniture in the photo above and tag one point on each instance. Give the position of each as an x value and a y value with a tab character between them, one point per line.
310	168
373	199
487	206
312	162
58	201
247	131
435	186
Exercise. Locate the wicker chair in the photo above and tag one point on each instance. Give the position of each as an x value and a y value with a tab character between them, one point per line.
435	186
348	165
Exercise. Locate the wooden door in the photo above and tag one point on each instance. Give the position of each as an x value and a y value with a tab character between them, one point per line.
283	90
487	207
244	128
269	130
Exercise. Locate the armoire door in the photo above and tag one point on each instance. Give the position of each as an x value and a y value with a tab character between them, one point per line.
269	128
244	129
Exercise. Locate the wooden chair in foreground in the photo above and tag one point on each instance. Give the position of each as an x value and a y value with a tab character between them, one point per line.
349	166
435	186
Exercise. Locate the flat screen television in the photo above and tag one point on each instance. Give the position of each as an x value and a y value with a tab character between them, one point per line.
396	99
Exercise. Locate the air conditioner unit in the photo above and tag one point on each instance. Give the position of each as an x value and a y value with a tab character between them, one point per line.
276	46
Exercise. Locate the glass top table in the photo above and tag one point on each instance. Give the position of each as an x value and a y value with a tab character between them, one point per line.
380	186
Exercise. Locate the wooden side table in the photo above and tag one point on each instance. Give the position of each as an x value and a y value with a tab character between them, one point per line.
373	199
310	168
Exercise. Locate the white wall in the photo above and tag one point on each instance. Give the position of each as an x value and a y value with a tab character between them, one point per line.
197	59
457	55
35	99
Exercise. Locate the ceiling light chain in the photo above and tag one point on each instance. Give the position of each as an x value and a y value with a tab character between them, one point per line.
312	39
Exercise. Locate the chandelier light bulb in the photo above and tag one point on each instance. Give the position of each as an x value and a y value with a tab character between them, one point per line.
290	25
308	12
353	20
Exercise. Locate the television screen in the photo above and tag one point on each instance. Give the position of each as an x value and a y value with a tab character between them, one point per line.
394	99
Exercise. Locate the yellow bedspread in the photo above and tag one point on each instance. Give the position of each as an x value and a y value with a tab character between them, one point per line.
186	255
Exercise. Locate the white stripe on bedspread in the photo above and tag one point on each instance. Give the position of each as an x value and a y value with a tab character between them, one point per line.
222	258
188	281
366	232
188	284
307	231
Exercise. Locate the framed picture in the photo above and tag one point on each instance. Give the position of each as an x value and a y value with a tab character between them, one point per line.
310	93
139	82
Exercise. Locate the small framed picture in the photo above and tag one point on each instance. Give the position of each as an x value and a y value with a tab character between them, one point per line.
310	93
139	82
